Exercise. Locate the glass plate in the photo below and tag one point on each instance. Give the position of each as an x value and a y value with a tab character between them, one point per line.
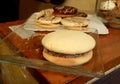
28	52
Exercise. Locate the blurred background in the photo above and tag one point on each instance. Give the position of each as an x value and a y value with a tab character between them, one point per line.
11	10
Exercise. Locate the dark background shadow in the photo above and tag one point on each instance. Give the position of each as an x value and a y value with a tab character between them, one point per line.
9	10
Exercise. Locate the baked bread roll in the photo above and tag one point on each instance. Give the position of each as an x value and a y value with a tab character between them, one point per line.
68	47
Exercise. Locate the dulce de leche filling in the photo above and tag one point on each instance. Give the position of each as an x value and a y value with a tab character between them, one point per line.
65	55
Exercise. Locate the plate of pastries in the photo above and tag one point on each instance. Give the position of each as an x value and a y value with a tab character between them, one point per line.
62	17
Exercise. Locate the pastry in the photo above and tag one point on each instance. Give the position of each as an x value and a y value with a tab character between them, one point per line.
65	11
46	19
75	23
110	9
68	47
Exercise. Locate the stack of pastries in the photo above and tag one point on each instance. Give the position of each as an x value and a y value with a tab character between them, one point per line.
67	16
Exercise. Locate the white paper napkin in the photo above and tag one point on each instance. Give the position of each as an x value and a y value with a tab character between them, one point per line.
20	31
27	29
96	23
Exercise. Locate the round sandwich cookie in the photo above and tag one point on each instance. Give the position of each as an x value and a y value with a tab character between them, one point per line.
45	19
68	47
75	23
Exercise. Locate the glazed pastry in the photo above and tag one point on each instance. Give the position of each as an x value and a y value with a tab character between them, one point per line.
65	11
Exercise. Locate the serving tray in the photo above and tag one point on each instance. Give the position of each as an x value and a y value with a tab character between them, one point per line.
28	53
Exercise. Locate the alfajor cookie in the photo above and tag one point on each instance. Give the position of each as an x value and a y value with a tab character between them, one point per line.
75	23
46	19
68	47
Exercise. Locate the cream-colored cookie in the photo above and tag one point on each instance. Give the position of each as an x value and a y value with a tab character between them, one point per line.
49	20
68	47
45	19
68	41
76	23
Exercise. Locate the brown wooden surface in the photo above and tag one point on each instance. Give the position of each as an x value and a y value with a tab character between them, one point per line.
110	52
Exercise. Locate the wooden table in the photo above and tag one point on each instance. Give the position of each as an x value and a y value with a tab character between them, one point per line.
110	51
